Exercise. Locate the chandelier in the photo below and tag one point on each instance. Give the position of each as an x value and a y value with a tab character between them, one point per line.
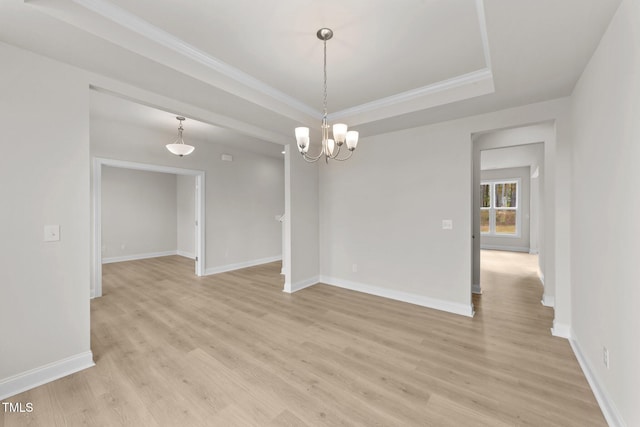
341	135
178	147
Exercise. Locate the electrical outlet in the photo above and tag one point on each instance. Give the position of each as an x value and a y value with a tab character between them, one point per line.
447	224
354	268
605	356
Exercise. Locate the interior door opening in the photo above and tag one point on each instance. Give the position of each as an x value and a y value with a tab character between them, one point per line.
193	237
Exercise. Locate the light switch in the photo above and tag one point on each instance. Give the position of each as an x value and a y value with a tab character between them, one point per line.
447	224
51	233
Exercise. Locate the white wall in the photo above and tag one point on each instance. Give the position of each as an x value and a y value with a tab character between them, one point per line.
605	213
384	213
186	214
519	242
243	197
44	287
301	222
139	215
383	210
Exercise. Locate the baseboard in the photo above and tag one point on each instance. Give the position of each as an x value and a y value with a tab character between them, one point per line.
475	289
437	304
607	406
548	300
504	248
534	252
561	330
295	287
239	265
189	255
35	377
135	257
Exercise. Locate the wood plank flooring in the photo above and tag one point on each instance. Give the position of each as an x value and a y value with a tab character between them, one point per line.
232	349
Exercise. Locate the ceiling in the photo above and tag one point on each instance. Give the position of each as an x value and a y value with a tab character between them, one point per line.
254	69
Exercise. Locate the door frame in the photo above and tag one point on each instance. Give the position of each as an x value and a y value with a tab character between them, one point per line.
98	163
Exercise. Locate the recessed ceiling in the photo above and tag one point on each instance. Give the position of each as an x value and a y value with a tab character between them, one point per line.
257	66
279	40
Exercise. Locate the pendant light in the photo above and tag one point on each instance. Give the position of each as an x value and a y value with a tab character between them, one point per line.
179	148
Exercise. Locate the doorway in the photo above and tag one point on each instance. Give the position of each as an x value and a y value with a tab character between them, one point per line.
97	256
509	163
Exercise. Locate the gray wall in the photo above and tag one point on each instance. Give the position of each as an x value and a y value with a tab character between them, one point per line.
44	286
605	211
383	209
518	243
186	214
138	214
243	197
301	221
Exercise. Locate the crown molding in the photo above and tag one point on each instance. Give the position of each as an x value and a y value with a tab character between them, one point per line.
466	86
482	25
132	22
240	83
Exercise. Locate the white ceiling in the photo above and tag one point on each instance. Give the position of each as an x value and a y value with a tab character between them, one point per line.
257	66
512	157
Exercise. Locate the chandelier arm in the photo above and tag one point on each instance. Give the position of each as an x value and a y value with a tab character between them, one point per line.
344	158
337	152
312	158
308	160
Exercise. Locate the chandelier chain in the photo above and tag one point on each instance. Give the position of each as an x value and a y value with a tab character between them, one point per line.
325	80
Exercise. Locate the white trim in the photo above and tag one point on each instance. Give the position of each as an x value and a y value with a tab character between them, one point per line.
468	79
561	330
548	300
302	284
135	257
286	234
450	307
607	405
185	254
482	24
240	265
504	248
50	372
476	289
96	259
98	162
157	35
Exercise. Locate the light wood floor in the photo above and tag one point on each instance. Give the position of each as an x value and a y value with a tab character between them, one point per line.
234	350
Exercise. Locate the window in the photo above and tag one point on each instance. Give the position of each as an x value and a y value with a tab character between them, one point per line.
499	208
